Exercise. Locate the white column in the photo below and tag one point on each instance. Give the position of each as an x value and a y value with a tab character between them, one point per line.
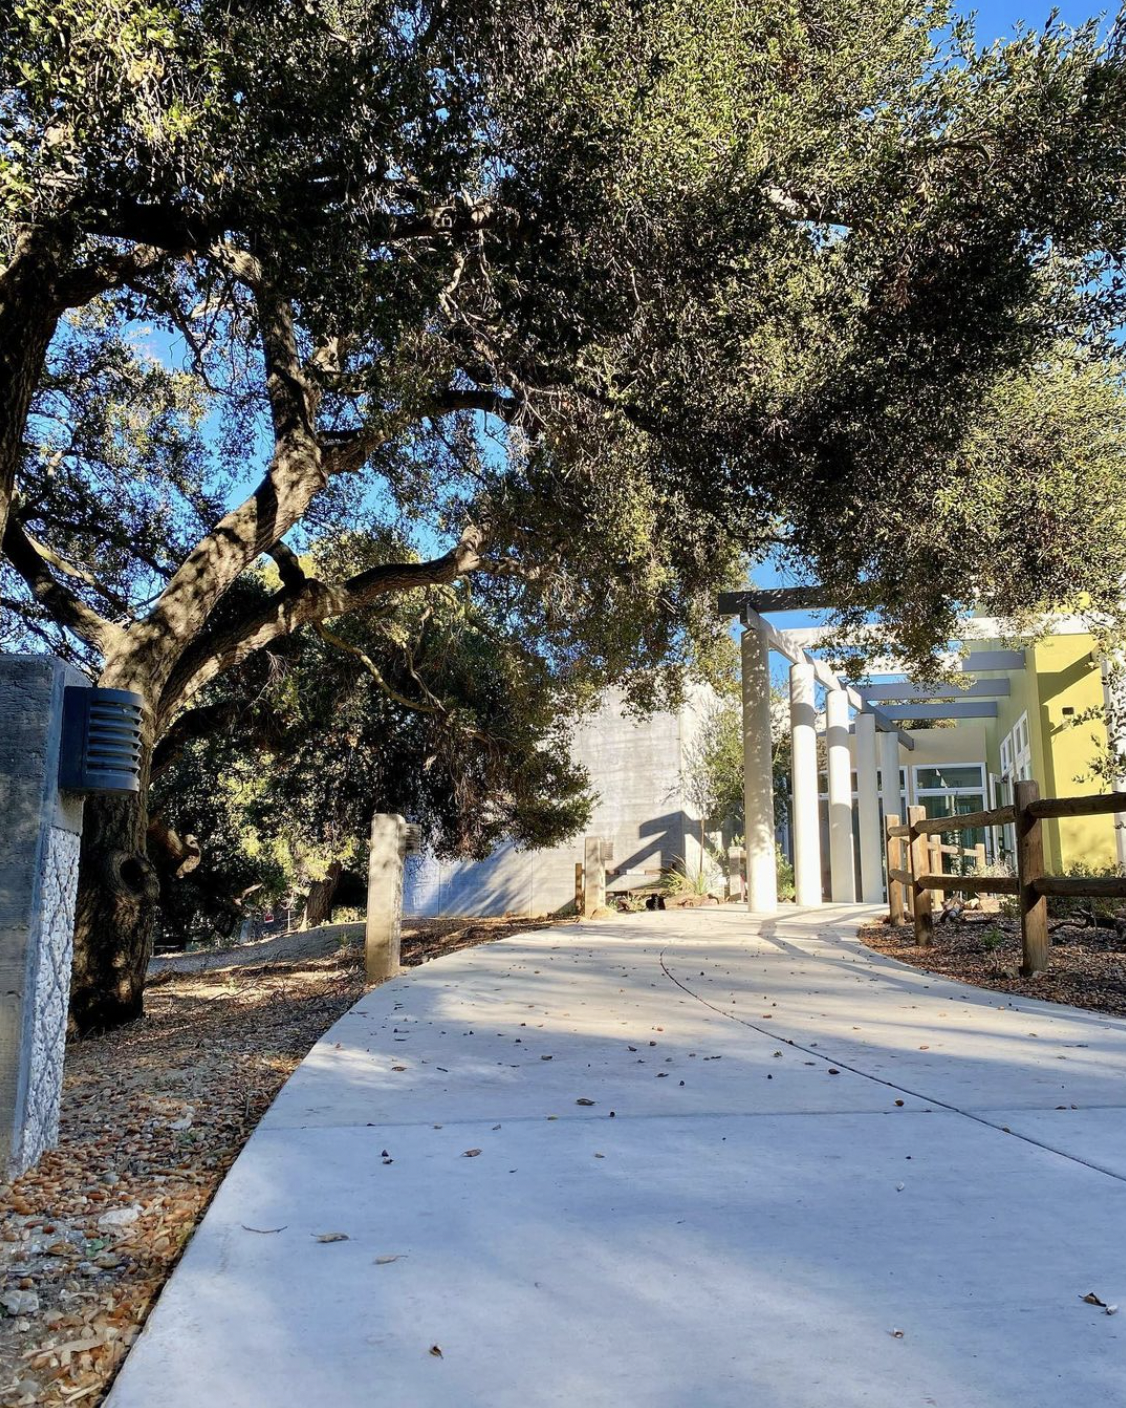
758	789
868	808
1114	701
889	774
804	807
842	877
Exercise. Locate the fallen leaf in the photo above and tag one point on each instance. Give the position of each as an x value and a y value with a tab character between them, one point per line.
331	1236
584	1101
436	1351
470	1153
387	1260
1091	1299
896	1334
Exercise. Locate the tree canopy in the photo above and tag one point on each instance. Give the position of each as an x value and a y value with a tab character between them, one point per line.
590	304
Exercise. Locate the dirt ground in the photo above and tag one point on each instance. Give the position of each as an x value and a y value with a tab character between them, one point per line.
1087	969
153	1116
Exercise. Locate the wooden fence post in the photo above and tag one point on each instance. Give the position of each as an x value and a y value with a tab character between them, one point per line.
937	867
1034	943
920	851
895	889
579	886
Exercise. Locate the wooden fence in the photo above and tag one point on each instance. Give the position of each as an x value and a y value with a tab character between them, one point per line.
914	878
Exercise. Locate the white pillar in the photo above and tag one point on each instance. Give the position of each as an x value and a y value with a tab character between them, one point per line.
889	774
758	789
392	839
868	808
1114	700
804	806
842	876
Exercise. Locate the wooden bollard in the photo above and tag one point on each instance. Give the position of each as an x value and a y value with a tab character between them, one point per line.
920	851
1034	943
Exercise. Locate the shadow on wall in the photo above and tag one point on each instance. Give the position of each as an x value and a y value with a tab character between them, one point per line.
665	842
503	883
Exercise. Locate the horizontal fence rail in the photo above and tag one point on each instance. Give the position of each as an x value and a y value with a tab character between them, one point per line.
1102	804
914	865
973	884
967	821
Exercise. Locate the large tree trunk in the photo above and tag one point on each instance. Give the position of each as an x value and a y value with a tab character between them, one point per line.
118	893
118	890
318	905
28	317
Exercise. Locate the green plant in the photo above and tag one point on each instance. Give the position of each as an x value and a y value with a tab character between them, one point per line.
348	914
704	879
785	874
1085	909
992	939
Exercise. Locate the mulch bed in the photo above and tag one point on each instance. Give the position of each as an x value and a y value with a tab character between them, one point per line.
153	1116
1088	966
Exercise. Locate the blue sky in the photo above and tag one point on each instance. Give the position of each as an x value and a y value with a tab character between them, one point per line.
996	19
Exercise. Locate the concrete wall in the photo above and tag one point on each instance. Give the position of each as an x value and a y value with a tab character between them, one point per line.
634	768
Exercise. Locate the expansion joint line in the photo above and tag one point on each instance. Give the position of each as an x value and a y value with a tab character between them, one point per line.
879	1080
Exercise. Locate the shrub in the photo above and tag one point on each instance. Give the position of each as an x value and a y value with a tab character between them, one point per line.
706	879
1085	908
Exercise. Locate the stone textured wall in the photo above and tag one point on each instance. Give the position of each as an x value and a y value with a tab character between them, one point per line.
48	994
39	840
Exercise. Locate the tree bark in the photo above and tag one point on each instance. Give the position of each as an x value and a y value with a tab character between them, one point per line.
118	891
318	904
29	314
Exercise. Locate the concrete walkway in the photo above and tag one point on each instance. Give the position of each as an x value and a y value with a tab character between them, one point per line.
680	1159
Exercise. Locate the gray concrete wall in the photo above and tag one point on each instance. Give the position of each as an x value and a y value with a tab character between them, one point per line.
634	768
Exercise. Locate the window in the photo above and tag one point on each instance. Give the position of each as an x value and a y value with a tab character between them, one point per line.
948	777
1016	766
953	789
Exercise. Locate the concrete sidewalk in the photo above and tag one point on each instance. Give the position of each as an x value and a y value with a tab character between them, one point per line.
677	1159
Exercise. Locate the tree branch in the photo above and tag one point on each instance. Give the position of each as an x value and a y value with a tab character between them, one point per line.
64	606
289	566
295	475
109	270
309	604
373	670
191	725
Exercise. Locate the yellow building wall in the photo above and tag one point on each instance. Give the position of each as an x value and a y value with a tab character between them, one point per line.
1067	676
1062	673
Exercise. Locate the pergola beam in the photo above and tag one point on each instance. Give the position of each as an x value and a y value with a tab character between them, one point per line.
909	690
952	709
796	653
775	599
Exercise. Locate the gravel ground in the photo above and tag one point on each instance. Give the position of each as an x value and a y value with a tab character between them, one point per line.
153	1116
1088	966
